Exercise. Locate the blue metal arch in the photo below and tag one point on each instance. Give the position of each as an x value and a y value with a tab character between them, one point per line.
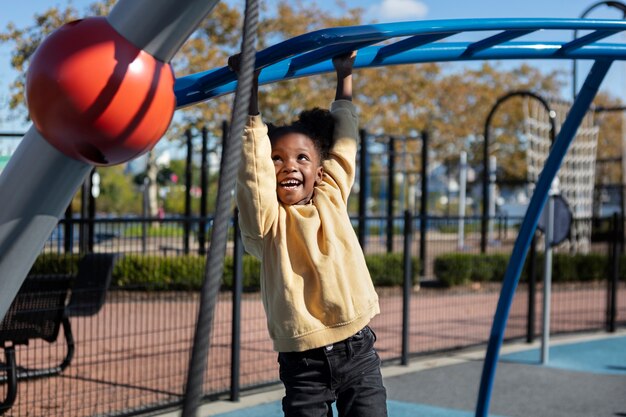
311	54
416	42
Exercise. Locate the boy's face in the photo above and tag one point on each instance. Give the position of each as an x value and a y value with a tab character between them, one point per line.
298	168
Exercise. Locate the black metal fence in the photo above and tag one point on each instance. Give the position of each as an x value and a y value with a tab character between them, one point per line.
131	357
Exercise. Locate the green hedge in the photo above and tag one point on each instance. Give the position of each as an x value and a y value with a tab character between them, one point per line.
172	273
463	268
387	270
186	272
55	264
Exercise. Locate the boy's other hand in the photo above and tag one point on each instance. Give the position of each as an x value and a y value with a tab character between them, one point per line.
234	63
343	63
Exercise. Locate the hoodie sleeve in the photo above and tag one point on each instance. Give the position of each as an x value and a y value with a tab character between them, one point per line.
256	186
340	166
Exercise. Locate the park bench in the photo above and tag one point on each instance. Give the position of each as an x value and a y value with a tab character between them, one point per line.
43	305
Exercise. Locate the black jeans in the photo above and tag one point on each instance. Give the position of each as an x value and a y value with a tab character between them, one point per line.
347	372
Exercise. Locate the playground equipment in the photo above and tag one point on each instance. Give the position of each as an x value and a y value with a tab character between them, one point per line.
42	176
577	173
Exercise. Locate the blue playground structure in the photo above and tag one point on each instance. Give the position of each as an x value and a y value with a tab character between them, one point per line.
307	55
311	54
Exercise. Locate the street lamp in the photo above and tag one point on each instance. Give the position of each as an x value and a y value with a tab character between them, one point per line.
615	4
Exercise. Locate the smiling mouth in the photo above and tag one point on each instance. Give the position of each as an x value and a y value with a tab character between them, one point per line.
290	184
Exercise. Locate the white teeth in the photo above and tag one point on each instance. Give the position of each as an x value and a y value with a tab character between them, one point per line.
290	183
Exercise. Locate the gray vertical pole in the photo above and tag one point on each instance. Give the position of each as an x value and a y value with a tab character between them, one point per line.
144	214
547	275
91	213
492	195
532	291
462	202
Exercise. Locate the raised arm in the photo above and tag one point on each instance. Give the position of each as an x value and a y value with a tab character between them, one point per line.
343	68
256	179
340	166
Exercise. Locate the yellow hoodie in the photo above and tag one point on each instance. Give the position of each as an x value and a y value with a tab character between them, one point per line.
315	285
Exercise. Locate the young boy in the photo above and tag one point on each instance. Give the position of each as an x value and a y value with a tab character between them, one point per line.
292	194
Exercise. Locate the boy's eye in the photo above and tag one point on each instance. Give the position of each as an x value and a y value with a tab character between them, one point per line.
275	158
303	156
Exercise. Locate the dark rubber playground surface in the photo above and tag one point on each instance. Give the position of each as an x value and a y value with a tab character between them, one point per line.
583	378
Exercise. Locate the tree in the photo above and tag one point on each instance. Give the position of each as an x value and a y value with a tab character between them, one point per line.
118	194
450	103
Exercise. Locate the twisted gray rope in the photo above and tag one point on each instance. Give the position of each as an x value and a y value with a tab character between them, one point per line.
214	268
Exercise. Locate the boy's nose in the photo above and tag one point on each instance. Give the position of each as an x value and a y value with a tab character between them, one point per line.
289	166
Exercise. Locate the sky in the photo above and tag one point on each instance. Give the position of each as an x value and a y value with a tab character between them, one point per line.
21	13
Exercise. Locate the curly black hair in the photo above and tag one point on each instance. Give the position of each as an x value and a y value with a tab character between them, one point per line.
317	124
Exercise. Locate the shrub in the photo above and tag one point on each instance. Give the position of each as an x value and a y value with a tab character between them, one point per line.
387	270
460	268
251	273
159	272
454	268
591	267
49	263
186	272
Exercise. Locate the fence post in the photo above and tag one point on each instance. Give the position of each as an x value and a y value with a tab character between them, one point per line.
68	230
186	223
204	181
235	363
532	291
391	167
84	240
424	203
611	308
506	226
407	286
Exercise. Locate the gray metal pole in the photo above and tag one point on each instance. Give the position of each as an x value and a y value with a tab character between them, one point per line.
37	185
159	27
462	197
547	274
492	197
39	180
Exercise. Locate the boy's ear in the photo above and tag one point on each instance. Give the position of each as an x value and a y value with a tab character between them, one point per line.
319	174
